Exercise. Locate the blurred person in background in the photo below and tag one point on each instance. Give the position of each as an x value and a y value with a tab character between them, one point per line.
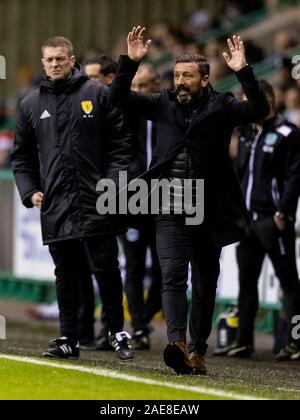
268	166
67	139
283	75
7	128
137	241
102	69
282	42
194	125
292	105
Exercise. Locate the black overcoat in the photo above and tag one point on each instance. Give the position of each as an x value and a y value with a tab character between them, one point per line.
208	138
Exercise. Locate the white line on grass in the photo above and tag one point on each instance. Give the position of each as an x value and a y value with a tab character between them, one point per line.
289	390
117	375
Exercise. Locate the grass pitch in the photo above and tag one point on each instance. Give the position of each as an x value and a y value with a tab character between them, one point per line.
24	381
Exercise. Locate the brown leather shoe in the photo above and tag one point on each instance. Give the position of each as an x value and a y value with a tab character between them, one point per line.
176	356
198	363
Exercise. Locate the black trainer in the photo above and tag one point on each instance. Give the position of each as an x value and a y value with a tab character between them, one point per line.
122	345
289	352
62	348
141	340
240	351
222	351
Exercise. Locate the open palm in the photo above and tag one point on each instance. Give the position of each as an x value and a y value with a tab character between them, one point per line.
137	48
237	58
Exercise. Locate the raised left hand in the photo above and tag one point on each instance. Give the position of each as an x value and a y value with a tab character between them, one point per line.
237	58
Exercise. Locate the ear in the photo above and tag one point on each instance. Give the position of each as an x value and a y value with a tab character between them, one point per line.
205	81
110	78
73	60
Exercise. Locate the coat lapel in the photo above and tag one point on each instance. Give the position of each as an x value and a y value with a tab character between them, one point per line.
202	114
177	118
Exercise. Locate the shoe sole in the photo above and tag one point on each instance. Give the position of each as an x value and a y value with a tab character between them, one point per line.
53	356
240	353
199	372
292	358
176	359
125	360
295	357
221	352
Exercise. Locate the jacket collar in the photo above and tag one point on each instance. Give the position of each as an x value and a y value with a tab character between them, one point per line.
78	77
202	104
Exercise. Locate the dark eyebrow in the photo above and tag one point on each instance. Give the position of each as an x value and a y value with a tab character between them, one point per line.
52	57
185	72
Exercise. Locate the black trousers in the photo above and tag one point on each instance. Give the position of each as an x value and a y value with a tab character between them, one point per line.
177	246
101	254
86	316
135	244
264	239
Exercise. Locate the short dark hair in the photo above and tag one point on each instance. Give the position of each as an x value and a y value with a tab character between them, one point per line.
267	88
59	41
108	65
204	67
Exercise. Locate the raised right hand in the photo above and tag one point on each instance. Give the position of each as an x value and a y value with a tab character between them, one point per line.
37	199
137	49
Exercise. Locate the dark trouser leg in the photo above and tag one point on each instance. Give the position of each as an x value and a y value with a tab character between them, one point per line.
174	246
103	258
86	303
67	257
205	274
135	248
104	330
283	258
154	300
250	257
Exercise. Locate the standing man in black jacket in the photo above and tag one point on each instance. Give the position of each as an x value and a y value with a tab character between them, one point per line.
268	165
67	139
194	126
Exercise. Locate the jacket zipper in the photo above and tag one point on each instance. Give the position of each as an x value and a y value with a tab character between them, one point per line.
251	169
275	193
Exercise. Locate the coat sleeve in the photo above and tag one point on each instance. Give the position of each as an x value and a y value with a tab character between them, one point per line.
255	108
118	149
291	188
25	160
121	96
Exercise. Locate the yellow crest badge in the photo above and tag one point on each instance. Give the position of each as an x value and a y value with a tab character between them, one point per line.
87	106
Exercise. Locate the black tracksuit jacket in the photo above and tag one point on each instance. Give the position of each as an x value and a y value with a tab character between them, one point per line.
67	139
268	166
